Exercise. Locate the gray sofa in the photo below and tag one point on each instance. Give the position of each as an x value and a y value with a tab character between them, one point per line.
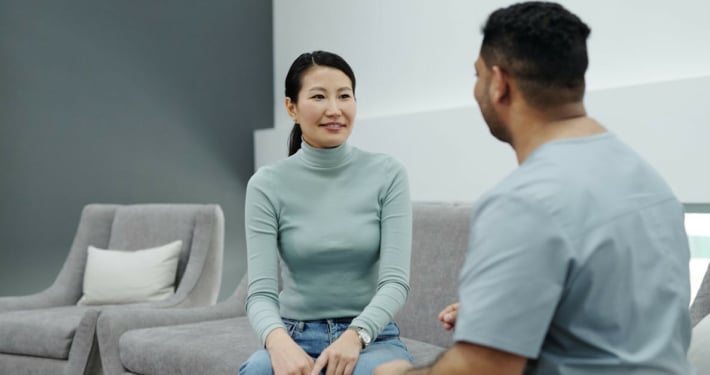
216	340
699	353
47	333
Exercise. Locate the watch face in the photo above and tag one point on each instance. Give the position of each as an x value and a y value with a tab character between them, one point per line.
364	336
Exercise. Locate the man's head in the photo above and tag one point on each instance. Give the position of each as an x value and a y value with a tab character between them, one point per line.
540	46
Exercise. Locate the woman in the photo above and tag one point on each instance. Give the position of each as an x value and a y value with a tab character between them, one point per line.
340	219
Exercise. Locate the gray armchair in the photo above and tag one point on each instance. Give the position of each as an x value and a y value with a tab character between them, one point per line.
47	333
216	340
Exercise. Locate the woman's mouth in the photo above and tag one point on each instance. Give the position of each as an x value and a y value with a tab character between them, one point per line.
333	126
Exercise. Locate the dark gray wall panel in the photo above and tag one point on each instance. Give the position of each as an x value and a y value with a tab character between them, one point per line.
125	102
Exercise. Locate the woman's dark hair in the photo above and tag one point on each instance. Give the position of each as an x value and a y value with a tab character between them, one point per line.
294	79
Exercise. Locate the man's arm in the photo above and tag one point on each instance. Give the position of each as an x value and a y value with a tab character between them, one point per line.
462	359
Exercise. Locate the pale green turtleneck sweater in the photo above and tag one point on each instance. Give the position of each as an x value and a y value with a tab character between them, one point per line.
341	220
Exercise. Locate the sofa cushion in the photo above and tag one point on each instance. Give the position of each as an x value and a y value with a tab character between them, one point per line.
423	353
439	244
119	276
42	333
211	348
206	348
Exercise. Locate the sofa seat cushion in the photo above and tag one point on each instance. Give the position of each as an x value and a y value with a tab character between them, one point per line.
42	333
211	348
206	348
423	353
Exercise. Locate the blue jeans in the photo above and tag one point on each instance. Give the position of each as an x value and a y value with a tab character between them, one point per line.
314	336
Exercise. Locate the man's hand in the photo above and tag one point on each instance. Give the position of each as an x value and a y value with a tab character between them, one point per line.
339	357
287	357
398	367
463	359
448	316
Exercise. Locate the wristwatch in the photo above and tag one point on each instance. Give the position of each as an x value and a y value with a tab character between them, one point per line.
365	338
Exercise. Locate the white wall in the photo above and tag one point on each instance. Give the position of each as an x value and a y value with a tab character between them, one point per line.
648	81
450	155
417	55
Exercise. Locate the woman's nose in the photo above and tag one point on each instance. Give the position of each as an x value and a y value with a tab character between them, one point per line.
333	108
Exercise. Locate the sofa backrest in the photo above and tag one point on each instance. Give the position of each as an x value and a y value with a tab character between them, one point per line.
148	225
94	229
700	307
201	229
439	244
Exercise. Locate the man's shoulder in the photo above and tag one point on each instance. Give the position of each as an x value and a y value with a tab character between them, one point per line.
536	183
546	189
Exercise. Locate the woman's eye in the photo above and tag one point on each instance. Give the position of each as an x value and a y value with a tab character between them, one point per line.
318	96
345	96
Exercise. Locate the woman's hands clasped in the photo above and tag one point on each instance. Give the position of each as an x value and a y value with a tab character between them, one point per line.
340	357
287	357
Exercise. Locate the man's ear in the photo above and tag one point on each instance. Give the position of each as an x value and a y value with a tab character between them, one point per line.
500	85
291	108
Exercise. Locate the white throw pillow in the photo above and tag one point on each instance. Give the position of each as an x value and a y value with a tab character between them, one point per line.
119	277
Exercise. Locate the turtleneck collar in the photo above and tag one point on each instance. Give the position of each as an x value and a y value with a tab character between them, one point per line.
325	157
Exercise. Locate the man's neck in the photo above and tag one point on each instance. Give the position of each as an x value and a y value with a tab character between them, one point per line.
534	128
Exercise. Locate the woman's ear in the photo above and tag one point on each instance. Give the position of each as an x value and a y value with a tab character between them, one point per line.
500	85
291	108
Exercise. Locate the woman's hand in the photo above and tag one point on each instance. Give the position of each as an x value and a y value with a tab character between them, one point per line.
339	357
448	316
287	358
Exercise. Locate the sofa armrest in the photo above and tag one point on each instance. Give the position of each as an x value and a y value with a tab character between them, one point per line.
113	322
47	298
83	355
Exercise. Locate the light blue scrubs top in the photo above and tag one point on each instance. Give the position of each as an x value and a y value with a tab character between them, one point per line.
579	261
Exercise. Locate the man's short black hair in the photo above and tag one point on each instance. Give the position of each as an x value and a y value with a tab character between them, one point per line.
543	46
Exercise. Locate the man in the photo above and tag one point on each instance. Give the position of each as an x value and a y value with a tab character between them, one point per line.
578	261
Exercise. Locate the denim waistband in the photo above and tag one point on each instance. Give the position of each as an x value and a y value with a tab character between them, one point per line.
345	320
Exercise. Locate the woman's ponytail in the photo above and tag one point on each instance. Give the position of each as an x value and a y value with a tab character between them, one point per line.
294	140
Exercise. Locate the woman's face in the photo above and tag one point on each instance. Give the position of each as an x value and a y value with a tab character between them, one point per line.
326	107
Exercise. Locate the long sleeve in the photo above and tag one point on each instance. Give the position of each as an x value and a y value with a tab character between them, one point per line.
395	256
261	225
